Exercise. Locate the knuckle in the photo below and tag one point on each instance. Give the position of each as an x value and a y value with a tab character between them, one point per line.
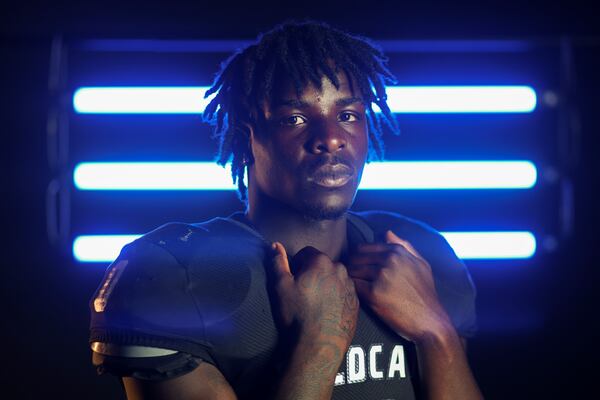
398	248
341	270
391	257
321	259
375	293
282	285
385	273
350	283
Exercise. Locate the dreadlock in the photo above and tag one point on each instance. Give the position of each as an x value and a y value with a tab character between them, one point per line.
302	52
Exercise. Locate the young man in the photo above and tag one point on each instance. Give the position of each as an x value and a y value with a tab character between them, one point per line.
297	297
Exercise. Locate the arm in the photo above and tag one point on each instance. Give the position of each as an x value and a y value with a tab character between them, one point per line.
381	271
310	371
309	374
318	309
203	383
156	373
444	368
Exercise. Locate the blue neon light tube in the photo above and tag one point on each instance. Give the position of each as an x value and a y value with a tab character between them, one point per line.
391	175
401	99
467	245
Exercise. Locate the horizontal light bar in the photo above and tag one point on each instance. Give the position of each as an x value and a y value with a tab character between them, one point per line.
449	175
227	46
401	99
461	99
496	245
152	176
98	248
391	175
467	245
140	100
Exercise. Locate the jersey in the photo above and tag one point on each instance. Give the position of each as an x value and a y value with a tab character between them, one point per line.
204	291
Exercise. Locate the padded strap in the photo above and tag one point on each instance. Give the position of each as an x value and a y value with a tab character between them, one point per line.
362	226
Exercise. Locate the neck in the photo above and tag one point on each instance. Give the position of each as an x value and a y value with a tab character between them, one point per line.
281	223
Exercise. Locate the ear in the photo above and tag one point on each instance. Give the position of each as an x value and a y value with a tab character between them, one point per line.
247	131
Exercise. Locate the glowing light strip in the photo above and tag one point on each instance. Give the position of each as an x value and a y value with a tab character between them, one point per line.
227	46
449	175
461	99
407	99
467	245
99	248
152	176
140	100
481	245
390	175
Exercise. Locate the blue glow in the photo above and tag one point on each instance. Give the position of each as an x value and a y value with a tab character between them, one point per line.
140	100
98	248
461	99
492	245
163	46
449	175
408	99
228	46
393	175
152	176
467	245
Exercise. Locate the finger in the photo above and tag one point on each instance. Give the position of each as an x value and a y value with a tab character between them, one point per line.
280	261
371	247
309	257
363	288
390	237
358	258
306	253
365	271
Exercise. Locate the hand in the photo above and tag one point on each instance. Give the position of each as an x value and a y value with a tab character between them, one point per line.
396	283
319	299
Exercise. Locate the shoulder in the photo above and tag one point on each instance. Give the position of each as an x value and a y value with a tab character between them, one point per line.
186	241
218	247
452	278
173	282
420	234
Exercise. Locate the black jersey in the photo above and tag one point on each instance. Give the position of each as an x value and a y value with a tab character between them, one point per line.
203	290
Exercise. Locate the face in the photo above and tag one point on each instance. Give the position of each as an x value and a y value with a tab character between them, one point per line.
311	154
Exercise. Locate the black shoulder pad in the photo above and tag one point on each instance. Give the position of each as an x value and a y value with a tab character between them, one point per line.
145	299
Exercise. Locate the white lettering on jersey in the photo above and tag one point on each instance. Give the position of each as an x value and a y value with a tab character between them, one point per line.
374	373
355	364
397	362
358	362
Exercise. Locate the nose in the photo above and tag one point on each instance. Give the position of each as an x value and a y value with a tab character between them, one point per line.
328	138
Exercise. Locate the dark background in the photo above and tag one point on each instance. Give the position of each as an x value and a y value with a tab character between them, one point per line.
44	296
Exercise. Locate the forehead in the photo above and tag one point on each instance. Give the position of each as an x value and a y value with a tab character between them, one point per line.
285	90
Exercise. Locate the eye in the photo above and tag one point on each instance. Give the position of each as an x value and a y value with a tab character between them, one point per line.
348	117
293	120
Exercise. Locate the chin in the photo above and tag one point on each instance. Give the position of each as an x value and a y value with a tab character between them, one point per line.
325	211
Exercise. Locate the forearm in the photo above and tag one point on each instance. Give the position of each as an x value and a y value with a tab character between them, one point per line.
445	371
310	371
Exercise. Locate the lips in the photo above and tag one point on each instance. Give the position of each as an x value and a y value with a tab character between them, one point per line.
332	175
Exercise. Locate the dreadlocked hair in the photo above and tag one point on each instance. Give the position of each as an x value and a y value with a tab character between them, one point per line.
301	52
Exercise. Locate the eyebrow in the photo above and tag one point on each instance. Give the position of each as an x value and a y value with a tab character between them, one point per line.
348	101
295	103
